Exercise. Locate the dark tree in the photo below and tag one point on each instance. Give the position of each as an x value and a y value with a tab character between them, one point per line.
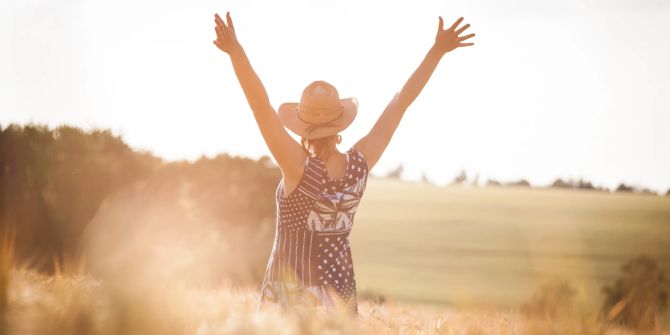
519	183
396	173
54	181
559	183
461	178
425	179
624	188
492	182
639	296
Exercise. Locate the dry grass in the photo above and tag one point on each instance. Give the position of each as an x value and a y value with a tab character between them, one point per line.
80	304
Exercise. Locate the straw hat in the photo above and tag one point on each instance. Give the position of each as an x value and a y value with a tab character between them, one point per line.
319	113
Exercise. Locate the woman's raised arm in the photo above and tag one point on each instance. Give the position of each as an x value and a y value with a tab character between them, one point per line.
374	143
285	150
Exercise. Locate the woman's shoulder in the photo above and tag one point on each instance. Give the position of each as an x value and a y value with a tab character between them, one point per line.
308	173
358	159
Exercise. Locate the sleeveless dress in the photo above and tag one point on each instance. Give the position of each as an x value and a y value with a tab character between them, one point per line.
311	259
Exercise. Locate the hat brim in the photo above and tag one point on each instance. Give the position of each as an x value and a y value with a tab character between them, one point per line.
288	114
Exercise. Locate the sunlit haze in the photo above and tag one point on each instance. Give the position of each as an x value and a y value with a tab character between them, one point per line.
569	89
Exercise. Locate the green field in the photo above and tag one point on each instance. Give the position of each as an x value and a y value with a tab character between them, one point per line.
495	246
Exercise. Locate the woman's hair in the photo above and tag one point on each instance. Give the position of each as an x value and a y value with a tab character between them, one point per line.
321	145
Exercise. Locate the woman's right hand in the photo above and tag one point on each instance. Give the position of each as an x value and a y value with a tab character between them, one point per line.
225	34
447	40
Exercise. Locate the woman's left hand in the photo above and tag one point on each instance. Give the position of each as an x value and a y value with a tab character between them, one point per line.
226	40
449	39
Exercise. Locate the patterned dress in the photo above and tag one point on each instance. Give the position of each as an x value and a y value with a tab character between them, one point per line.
311	259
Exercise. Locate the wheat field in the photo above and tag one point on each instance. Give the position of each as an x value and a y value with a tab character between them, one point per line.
428	260
79	304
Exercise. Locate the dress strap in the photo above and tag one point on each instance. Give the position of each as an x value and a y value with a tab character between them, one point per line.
312	179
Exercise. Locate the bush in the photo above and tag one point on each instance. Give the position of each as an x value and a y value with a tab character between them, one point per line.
552	300
637	299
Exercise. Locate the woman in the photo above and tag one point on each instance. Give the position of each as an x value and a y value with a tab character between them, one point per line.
321	186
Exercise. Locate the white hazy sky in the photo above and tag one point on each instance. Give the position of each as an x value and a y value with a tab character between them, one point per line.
551	88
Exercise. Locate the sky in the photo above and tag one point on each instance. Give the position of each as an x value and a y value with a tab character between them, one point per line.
551	89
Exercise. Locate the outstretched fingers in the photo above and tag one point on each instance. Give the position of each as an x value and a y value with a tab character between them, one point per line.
463	38
229	20
218	20
462	29
221	31
450	38
453	26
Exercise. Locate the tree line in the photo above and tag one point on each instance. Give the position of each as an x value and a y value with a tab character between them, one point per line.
462	179
54	181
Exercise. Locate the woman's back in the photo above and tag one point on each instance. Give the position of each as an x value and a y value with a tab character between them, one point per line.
311	258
